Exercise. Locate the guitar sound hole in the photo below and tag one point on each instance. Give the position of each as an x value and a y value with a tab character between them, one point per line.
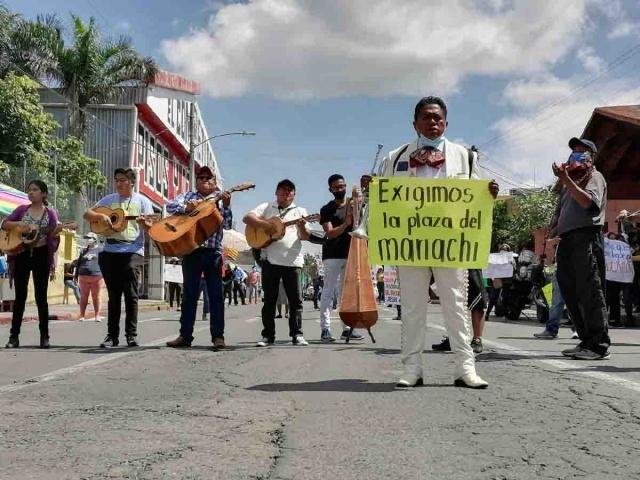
113	219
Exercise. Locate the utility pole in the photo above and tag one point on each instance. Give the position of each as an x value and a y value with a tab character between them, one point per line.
55	180
192	160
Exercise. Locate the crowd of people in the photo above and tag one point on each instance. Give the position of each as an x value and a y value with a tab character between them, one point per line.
580	280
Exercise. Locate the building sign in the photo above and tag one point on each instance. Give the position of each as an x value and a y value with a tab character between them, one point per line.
176	82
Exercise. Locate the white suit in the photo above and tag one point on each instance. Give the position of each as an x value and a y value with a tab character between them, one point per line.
452	282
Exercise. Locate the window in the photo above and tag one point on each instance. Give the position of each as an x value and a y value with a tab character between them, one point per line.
151	162
165	174
159	167
140	146
175	165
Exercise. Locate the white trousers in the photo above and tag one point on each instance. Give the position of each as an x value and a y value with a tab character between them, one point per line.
333	278
452	290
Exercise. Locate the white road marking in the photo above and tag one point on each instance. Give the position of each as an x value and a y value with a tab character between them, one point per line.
564	366
84	365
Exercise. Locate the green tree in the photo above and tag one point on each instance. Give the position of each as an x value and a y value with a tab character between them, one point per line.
86	69
515	220
27	139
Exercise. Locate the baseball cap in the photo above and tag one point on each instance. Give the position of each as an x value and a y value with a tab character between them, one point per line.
204	170
583	141
90	235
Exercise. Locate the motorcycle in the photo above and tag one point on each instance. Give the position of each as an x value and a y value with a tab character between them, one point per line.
524	289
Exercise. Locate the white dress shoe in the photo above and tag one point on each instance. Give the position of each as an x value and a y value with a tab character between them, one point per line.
470	380
409	380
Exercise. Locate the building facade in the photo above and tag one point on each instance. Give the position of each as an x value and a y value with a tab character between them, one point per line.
150	129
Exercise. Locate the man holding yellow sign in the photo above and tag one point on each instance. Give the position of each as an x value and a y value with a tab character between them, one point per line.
429	218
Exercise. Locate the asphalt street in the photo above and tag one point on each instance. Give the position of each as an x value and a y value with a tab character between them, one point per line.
324	411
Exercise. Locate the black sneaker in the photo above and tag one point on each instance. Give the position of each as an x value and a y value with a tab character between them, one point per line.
443	346
354	335
109	342
132	341
13	342
44	342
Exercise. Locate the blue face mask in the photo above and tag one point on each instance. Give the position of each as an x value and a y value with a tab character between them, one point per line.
579	157
437	143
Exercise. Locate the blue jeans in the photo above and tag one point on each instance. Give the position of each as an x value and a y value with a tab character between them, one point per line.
557	308
207	261
73	286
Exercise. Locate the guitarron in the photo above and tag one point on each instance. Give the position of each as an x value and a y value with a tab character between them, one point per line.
179	235
358	308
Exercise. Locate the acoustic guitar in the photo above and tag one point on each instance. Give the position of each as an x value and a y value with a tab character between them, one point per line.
119	220
179	235
14	241
258	237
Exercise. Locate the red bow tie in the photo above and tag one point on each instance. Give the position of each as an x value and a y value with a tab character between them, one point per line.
426	156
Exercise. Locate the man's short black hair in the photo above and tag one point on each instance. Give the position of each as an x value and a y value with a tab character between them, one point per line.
286	183
430	101
127	172
334	178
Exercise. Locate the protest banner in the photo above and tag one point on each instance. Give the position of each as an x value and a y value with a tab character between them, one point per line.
172	273
617	258
425	222
391	286
500	265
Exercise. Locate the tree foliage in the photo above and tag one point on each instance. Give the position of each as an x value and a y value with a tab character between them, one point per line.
515	220
27	138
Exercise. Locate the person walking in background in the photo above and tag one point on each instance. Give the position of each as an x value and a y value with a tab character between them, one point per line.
253	284
227	284
70	279
40	221
89	276
282	301
175	288
239	277
380	284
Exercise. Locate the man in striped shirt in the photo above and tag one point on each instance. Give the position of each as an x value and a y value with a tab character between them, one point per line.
206	259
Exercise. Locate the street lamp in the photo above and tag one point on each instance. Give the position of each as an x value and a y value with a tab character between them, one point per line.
192	148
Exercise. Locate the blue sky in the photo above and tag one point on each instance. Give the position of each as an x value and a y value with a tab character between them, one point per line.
322	83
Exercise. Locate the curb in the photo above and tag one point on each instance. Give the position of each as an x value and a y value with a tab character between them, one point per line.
5	317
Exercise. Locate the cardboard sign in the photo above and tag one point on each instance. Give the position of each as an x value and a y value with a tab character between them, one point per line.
427	222
391	286
617	258
172	273
500	265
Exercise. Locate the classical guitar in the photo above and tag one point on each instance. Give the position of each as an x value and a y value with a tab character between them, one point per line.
119	220
258	238
14	241
179	235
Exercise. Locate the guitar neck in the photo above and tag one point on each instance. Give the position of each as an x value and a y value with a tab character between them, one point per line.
292	222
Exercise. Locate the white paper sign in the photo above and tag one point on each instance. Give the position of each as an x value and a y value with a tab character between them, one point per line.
391	286
617	258
500	265
172	273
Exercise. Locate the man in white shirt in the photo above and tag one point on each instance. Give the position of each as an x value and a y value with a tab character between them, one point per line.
283	260
432	155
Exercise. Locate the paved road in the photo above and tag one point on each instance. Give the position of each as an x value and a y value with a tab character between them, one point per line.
316	412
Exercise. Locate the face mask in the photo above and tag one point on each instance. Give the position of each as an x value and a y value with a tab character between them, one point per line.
579	157
339	195
437	143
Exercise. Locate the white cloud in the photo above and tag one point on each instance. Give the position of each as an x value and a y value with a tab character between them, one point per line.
624	29
530	140
618	17
301	49
591	62
534	92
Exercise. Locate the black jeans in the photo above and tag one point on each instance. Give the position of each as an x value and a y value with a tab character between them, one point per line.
581	277
613	301
208	262
174	292
271	275
119	271
238	288
34	261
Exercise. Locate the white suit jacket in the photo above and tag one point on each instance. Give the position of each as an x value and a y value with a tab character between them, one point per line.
457	162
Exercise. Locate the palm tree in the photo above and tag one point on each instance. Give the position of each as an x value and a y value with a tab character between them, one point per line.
89	70
8	22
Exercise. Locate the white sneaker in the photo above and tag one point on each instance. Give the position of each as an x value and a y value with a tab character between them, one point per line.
470	380
574	335
264	342
299	340
81	319
97	319
409	380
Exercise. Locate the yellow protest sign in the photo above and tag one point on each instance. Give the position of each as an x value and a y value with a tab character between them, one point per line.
426	222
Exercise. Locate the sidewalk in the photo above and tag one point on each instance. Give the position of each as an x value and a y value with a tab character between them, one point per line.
72	311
